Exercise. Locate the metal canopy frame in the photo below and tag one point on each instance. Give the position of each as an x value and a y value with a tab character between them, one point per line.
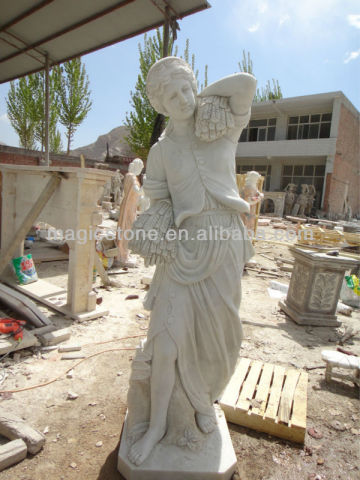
65	29
54	31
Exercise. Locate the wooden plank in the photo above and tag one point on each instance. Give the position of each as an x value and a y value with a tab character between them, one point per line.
48	254
268	426
232	390
298	418
276	388
263	389
248	388
287	395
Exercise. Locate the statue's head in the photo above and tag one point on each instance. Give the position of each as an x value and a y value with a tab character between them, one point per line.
136	166
168	74
252	177
304	188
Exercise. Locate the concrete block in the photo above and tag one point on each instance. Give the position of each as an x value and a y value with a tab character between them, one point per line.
11	453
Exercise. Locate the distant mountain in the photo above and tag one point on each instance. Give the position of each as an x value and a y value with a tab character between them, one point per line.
117	145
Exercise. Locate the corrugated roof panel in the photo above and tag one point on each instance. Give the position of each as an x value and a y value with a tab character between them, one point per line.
67	28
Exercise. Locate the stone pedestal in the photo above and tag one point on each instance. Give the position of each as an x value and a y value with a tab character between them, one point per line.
315	287
215	461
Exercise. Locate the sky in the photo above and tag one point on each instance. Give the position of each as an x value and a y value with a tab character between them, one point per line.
309	46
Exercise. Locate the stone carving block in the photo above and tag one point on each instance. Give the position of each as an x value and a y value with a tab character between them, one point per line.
315	287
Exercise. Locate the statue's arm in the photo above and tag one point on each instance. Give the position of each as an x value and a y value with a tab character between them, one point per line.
156	186
239	87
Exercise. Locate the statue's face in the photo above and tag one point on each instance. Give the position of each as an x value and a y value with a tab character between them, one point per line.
179	100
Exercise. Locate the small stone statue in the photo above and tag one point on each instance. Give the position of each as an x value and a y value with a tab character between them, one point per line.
194	334
251	194
116	187
311	197
144	200
127	215
301	201
290	197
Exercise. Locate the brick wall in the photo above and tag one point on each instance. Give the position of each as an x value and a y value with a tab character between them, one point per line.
346	169
21	156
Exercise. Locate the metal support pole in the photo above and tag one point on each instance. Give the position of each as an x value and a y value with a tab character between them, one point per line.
166	33
47	95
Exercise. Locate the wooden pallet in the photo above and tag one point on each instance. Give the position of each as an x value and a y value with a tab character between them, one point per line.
268	398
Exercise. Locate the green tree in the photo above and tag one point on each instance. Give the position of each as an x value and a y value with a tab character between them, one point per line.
141	120
26	110
74	97
55	144
21	111
269	92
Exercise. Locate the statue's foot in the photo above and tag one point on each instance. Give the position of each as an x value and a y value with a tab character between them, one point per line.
142	448
206	423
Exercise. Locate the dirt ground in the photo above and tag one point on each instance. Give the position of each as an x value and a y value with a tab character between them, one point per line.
82	435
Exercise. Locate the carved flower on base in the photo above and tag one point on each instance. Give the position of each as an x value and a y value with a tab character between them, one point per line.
190	440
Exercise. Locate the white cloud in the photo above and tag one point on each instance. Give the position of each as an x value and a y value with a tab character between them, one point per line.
352	56
254	27
262	7
306	19
284	18
354	20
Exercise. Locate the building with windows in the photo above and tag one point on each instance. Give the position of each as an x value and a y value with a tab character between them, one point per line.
311	139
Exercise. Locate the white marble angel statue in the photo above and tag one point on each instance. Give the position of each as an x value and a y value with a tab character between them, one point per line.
195	332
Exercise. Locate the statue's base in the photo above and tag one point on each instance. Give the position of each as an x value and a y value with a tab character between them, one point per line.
215	461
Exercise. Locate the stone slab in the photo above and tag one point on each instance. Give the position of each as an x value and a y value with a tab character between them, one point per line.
11	345
315	319
14	427
55	298
215	461
55	337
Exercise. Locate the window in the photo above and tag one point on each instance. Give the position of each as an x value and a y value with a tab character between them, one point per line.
308	174
259	131
264	170
309	126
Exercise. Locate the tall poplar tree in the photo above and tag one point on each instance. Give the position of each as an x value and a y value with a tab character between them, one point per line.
269	92
74	97
21	110
141	120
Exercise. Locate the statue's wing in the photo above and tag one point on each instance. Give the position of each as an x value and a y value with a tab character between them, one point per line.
150	234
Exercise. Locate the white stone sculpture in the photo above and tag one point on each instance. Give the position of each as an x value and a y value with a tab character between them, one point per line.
127	214
253	196
117	187
301	201
290	197
195	332
144	200
311	194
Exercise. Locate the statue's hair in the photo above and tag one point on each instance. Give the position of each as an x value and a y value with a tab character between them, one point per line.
161	74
